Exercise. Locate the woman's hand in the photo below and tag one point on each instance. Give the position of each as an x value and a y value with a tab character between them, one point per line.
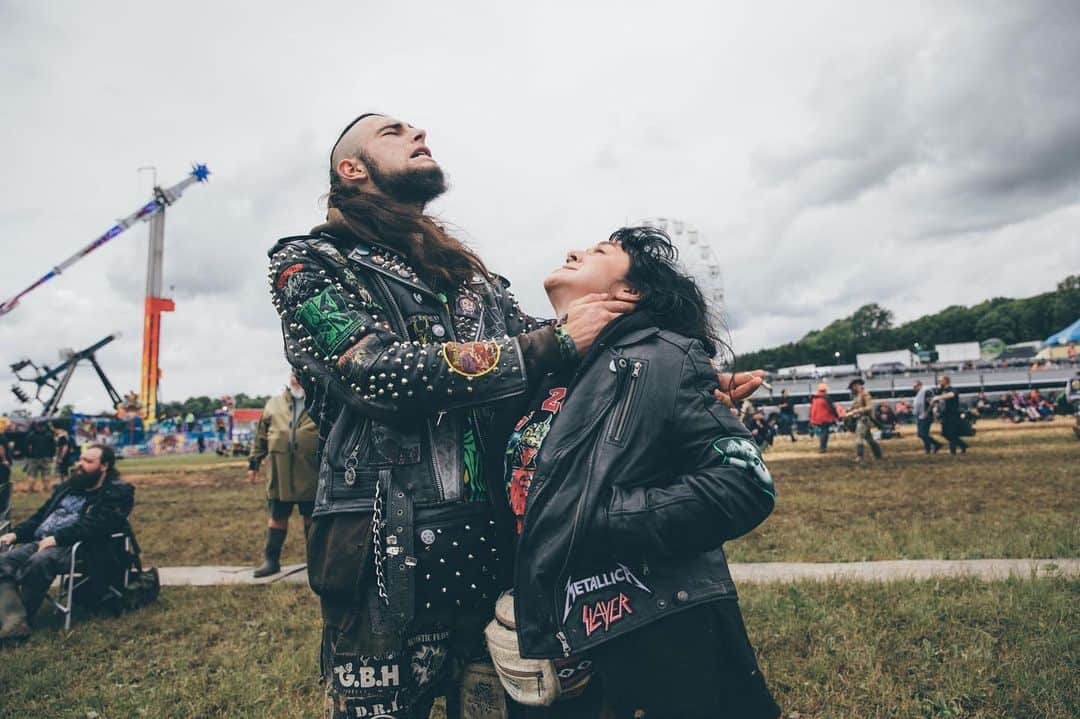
588	315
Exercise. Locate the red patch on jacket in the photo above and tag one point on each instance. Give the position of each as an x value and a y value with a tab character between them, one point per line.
290	270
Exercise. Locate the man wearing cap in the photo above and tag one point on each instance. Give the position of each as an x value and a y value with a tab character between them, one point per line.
862	406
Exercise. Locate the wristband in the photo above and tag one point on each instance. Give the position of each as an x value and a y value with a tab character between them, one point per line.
567	348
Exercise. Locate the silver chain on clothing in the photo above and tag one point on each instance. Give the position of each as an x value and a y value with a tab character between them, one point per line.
376	531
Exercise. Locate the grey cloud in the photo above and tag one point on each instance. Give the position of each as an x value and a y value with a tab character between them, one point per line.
979	124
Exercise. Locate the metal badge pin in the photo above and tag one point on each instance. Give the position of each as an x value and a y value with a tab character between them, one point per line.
427	537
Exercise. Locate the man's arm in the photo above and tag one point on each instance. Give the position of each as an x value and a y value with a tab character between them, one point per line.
343	337
24	531
107	515
260	445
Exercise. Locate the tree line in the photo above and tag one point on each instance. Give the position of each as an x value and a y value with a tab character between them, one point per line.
202	406
870	328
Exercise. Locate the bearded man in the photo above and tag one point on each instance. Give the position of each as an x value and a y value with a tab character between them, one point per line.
90	506
408	349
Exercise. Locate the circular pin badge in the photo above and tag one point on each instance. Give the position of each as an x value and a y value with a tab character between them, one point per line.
427	537
438	330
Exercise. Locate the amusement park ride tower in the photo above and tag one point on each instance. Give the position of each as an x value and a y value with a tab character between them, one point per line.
154	304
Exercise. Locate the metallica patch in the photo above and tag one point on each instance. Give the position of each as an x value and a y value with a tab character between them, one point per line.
472	359
578	588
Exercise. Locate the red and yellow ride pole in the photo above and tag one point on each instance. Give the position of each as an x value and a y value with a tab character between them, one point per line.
151	373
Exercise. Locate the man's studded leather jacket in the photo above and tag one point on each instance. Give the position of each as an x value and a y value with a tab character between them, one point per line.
401	379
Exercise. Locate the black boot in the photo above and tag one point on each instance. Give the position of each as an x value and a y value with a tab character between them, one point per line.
13	622
275	539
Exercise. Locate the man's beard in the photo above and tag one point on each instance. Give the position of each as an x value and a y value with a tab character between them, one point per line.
411	187
83	481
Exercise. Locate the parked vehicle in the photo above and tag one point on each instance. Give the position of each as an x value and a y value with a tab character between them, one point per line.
880	368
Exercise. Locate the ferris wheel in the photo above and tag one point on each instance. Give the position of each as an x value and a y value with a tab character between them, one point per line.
696	256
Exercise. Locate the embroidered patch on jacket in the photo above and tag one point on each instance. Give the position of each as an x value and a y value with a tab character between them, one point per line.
472	359
354	361
466	306
328	318
742	453
285	273
300	285
421	328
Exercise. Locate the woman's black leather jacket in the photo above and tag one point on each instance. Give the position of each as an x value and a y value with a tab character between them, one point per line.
641	480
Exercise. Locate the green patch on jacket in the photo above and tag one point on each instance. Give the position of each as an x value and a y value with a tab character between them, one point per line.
743	453
328	319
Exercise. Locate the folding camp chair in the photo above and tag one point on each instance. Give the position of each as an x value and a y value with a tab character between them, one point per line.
76	576
5	507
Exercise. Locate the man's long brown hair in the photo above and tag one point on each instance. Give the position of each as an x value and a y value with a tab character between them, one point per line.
423	241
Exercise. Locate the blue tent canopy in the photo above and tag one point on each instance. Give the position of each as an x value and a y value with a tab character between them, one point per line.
1065	336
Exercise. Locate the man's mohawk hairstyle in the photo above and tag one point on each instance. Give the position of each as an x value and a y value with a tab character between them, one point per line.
346	130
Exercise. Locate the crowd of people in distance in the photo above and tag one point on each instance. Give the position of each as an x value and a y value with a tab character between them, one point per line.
1019	407
49	453
884	420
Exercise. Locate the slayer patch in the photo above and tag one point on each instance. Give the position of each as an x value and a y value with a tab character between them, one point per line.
605	612
329	320
472	359
285	273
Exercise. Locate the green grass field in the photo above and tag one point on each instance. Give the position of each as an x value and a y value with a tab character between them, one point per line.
1013	495
947	649
943	649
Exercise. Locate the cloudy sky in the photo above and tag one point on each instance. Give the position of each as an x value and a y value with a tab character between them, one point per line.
911	154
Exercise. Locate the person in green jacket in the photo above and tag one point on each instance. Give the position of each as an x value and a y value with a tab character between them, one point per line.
289	438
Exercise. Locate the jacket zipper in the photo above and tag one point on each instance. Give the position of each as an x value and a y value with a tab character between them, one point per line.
431	459
631	381
582	436
561	636
430	431
624	410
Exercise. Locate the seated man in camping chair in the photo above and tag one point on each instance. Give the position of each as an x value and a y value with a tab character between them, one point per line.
89	507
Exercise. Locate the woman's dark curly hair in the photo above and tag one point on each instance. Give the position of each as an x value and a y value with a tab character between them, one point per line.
668	293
